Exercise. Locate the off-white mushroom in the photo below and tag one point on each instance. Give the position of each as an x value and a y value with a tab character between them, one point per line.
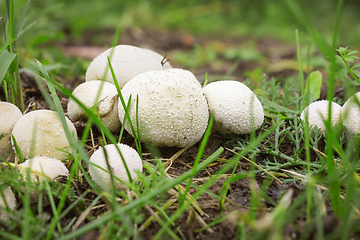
127	62
51	167
103	178
235	107
106	102
350	115
7	198
9	114
318	114
40	133
172	109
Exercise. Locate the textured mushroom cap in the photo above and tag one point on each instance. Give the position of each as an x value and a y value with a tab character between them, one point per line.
102	178
10	202
235	107
172	107
107	102
127	62
9	114
318	113
52	168
350	115
41	133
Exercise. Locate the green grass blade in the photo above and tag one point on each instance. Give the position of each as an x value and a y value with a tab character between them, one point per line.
143	199
6	58
18	27
198	156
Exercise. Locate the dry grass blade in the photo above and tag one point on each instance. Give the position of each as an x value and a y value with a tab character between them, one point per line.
305	178
277	181
155	215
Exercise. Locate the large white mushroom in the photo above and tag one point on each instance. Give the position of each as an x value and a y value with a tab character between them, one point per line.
40	133
235	107
350	115
318	114
9	114
51	167
172	109
106	102
7	199
127	62
103	178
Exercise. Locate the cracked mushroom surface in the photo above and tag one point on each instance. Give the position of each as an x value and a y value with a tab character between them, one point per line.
127	62
41	133
172	109
235	107
318	113
103	178
9	114
106	102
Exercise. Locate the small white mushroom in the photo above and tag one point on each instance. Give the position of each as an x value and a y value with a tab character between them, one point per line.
318	114
350	115
51	167
102	178
9	114
127	62
172	109
107	102
7	198
40	133
235	107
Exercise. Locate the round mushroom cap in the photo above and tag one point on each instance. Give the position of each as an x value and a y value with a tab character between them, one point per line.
103	178
318	113
106	102
8	200
236	108
127	62
172	109
350	115
40	133
52	168
9	114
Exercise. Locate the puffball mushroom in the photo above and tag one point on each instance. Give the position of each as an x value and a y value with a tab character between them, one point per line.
102	178
318	113
51	167
172	109
127	62
106	102
8	200
350	115
9	114
235	107
40	133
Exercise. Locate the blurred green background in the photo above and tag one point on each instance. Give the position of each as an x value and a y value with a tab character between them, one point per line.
59	19
84	23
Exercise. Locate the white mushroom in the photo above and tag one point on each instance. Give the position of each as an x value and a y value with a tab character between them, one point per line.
103	178
235	107
40	133
7	199
106	102
172	109
9	114
51	167
318	114
350	115
127	62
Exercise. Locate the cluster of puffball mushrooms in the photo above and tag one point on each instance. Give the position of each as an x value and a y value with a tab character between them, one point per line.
169	104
